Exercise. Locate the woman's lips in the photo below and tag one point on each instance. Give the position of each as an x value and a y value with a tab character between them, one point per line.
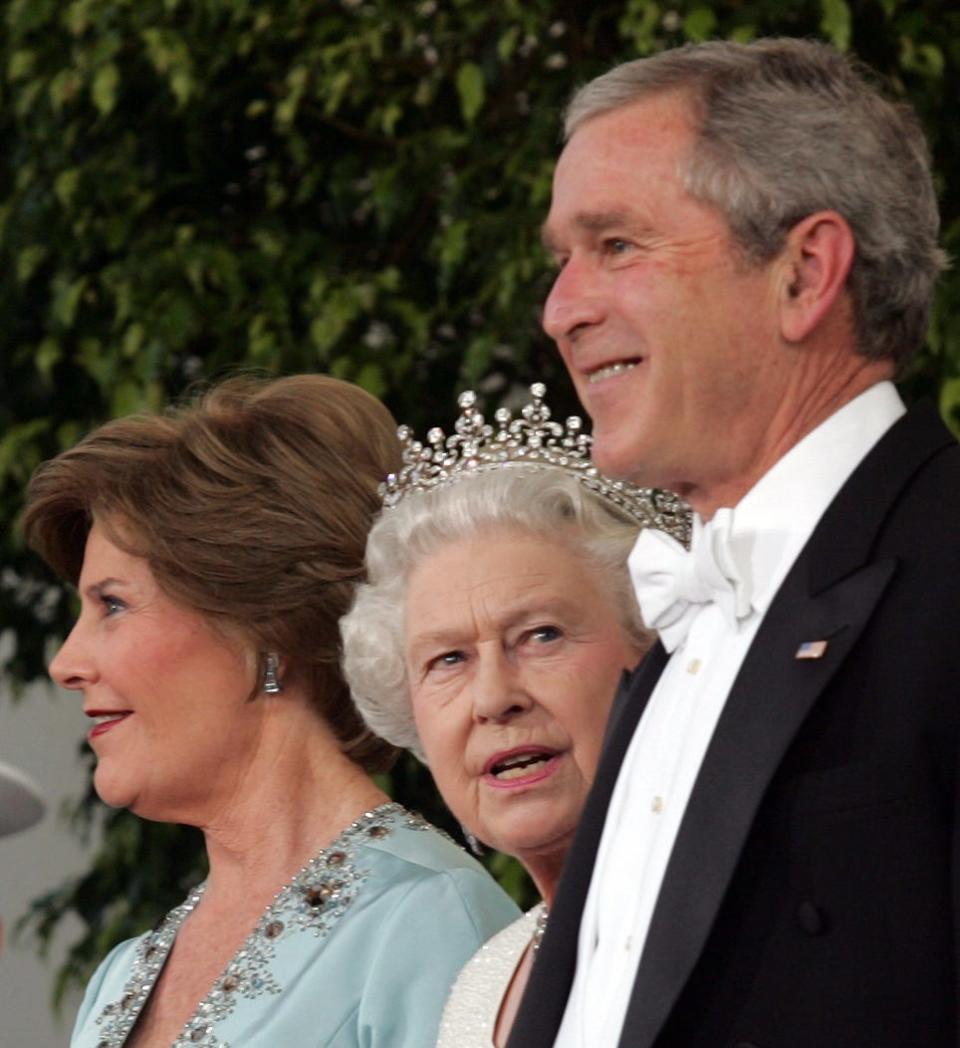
106	719
522	766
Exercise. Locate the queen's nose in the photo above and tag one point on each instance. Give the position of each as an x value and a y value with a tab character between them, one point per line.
498	691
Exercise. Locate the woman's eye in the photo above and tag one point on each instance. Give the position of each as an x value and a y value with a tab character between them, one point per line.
111	605
545	634
448	658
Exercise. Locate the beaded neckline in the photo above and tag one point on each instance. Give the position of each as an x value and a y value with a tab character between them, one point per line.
313	901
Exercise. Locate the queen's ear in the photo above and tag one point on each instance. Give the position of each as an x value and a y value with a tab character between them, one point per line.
815	261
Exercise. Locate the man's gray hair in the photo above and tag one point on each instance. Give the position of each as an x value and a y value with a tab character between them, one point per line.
550	503
788	127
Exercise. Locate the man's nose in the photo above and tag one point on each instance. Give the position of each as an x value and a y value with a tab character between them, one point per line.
574	301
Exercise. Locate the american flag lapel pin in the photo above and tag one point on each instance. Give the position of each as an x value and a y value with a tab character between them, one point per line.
812	649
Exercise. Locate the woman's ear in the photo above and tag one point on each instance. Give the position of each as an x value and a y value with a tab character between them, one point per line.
816	259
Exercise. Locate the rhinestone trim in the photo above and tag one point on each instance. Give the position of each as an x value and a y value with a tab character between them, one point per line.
314	901
533	442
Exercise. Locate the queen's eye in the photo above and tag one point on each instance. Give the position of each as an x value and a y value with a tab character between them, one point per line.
448	658
545	634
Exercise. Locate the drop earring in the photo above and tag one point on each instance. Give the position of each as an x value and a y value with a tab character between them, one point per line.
271	678
472	843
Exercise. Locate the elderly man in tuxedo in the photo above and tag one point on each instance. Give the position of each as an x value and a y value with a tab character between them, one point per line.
746	242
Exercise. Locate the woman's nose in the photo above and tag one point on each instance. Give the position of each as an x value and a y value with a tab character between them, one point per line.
574	302
498	690
73	667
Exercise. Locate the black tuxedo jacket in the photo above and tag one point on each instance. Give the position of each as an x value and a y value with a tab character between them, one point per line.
811	899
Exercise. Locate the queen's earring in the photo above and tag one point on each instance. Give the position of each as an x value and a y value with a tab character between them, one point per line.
472	843
271	676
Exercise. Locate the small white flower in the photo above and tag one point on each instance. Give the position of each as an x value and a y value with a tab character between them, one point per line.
378	335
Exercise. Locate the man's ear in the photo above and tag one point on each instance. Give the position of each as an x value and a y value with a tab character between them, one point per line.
816	260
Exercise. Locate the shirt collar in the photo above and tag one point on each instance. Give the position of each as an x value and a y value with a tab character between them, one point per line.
773	521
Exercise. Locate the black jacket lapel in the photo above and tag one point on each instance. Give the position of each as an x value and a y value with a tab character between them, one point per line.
545	998
769	701
829	594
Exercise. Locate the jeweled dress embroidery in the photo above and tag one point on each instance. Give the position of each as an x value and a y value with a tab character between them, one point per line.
314	901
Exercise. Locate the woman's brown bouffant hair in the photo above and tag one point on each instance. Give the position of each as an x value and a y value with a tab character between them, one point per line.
251	504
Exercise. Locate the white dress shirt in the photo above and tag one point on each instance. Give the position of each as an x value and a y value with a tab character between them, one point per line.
770	526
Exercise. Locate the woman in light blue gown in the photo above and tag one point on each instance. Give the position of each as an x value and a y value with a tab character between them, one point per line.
214	549
372	967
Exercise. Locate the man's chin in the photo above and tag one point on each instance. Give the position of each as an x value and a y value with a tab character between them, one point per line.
620	459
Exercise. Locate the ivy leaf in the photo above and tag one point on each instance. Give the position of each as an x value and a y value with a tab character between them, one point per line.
700	24
20	64
48	354
29	260
471	89
103	90
835	22
950	403
65	185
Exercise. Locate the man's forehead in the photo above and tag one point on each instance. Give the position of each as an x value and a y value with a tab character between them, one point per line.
664	113
653	135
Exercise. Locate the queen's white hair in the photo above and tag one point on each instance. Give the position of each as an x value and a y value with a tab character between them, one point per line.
547	503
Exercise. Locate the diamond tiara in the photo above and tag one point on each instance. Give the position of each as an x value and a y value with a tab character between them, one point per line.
531	441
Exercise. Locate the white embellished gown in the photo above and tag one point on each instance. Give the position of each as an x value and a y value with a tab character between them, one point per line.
359	949
470	1014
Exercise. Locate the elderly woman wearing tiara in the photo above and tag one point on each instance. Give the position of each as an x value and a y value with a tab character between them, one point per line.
496	621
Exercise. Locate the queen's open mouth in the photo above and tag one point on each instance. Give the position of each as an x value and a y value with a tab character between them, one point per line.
517	767
519	764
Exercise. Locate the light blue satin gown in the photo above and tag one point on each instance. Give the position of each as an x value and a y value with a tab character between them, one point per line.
360	949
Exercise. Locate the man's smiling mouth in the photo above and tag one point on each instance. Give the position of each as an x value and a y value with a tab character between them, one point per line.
609	370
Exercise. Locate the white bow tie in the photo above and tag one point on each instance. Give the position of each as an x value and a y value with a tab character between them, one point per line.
674	585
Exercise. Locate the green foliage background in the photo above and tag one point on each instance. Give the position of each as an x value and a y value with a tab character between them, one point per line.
353	187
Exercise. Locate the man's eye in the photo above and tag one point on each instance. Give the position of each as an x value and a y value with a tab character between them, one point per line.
616	245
